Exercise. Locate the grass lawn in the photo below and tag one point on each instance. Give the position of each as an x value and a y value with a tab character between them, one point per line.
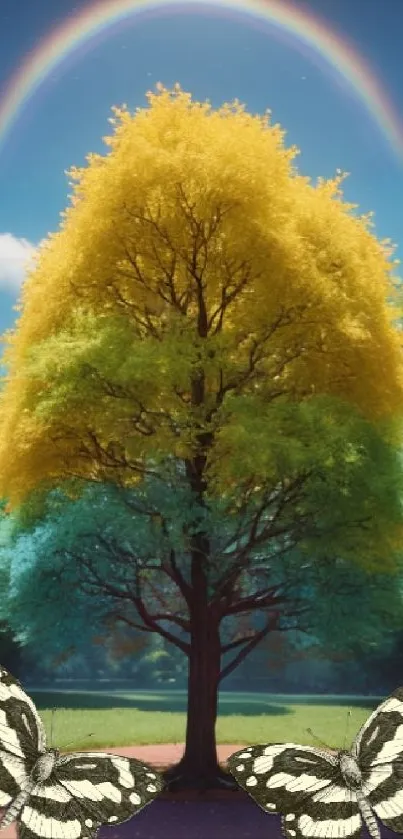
125	718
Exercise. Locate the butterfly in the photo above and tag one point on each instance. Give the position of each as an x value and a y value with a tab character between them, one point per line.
61	796
325	795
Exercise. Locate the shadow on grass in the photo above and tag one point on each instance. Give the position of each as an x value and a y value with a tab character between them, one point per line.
153	703
246	705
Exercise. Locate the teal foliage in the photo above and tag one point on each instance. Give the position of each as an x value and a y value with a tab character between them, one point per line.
52	603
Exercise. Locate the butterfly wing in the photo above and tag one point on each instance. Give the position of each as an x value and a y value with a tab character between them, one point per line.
378	749
21	737
87	790
302	783
21	729
329	813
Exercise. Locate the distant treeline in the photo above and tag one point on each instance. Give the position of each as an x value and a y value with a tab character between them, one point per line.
156	665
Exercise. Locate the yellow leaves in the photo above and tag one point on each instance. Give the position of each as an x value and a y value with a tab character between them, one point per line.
193	248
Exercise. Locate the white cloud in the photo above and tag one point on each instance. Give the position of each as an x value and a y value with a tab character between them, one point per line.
15	256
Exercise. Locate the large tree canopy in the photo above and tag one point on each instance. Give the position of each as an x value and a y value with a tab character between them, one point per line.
98	565
211	320
195	265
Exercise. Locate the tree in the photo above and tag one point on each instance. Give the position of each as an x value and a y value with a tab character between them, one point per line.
219	325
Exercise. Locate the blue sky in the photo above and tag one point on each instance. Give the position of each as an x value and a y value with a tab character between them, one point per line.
216	56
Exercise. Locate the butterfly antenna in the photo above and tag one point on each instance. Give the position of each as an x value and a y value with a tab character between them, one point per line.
74	742
346	731
51	727
318	740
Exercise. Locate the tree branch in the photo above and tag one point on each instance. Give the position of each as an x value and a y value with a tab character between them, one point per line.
271	625
149	621
261	601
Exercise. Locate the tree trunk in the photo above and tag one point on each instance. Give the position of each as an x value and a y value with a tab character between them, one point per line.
203	680
199	768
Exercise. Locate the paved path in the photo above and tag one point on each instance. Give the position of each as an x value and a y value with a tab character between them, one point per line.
164	754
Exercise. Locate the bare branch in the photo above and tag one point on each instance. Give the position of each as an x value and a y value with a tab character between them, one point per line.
262	529
271	625
150	622
261	601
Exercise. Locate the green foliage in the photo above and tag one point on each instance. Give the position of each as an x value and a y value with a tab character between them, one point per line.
346	478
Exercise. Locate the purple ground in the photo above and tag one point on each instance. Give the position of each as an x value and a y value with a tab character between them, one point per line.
203	820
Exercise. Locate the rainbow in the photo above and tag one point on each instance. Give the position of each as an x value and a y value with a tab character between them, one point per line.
99	16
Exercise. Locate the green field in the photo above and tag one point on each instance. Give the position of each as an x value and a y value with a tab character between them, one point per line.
125	718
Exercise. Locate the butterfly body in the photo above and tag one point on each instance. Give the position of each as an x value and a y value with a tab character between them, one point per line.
41	771
54	796
350	769
325	795
45	765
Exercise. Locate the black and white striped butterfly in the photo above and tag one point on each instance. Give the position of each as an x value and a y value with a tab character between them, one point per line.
325	795
61	796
